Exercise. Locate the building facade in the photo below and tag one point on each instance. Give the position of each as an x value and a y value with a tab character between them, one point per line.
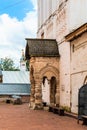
78	64
56	19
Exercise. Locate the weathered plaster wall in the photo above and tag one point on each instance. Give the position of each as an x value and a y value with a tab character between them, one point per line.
66	15
56	27
78	67
64	74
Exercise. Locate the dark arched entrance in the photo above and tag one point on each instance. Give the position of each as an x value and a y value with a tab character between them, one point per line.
53	90
82	101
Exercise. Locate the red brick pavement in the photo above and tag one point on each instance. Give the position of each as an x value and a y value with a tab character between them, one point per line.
19	117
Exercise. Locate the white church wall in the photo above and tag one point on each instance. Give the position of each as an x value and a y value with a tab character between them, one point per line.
77	13
78	67
64	74
72	16
56	28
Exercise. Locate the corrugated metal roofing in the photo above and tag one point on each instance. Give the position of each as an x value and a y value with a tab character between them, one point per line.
16	77
14	89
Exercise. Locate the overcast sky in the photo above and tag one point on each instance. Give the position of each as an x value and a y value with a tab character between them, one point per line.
18	20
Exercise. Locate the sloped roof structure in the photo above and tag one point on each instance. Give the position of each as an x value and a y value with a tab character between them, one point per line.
15	83
77	32
16	77
41	48
14	89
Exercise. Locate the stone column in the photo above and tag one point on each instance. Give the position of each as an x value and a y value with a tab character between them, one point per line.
32	97
32	80
51	91
57	96
38	95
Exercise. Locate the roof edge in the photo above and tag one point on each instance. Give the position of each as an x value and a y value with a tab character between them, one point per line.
76	33
40	39
45	56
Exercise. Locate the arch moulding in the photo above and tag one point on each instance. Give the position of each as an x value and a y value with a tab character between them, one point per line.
49	71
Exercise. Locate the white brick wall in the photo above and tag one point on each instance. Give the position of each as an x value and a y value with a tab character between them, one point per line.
70	16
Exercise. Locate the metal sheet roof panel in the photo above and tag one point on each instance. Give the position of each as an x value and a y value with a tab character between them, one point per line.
14	89
16	77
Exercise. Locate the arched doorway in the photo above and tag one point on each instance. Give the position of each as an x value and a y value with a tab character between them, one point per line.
44	57
50	79
82	101
49	90
53	90
45	87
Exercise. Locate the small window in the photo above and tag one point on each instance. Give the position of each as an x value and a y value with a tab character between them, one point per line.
42	35
73	47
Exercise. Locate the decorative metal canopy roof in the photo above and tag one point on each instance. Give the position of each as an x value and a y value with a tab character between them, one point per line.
41	48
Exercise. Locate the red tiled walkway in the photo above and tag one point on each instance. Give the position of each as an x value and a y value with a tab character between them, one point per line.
19	117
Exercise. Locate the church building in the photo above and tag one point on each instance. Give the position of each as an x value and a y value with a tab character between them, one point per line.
58	61
23	62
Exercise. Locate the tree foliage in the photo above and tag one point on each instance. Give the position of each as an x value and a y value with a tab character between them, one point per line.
7	64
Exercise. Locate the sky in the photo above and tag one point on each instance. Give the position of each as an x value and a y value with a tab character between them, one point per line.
18	20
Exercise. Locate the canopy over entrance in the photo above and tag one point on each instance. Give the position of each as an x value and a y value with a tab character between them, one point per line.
41	48
44	62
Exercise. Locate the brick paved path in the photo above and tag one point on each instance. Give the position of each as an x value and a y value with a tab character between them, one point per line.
19	117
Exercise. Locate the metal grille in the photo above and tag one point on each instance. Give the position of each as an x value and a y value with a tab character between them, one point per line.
82	101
